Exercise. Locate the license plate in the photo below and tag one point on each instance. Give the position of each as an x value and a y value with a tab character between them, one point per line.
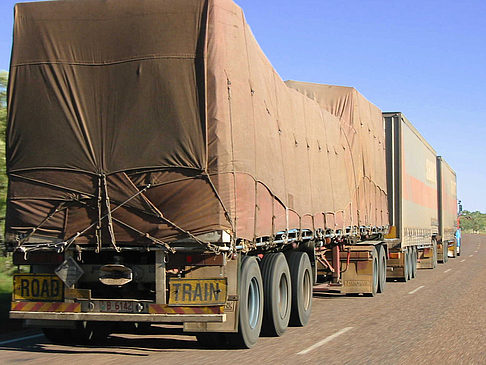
116	306
197	292
38	287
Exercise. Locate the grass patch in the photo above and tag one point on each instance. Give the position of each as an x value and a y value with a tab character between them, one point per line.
6	283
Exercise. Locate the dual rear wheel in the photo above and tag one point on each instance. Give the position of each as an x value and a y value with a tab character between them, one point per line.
410	263
273	294
378	281
382	269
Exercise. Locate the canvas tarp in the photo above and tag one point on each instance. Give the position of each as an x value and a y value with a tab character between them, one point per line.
169	114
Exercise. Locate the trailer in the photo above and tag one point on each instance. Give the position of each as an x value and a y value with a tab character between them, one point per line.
447	184
160	171
353	259
413	199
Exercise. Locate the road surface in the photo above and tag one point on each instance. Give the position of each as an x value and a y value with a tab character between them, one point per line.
437	318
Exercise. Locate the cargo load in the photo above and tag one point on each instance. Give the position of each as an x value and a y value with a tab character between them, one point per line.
165	122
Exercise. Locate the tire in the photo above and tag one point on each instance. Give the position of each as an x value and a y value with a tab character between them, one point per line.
406	260
414	262
277	289
375	270
410	263
382	269
302	280
250	308
443	259
434	255
459	251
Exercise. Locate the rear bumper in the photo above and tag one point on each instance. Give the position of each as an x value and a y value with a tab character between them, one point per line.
119	317
152	312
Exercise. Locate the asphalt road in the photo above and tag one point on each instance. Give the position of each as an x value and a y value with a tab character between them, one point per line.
437	318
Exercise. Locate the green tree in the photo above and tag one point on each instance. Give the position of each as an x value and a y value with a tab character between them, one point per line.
473	221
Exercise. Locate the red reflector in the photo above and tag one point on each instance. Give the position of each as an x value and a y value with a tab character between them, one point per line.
260	255
189	259
394	255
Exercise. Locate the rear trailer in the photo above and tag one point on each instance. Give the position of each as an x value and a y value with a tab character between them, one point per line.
413	199
351	254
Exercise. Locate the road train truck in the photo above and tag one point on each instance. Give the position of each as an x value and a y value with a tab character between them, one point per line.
160	171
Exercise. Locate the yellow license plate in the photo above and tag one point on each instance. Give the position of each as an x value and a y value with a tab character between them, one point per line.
197	292
37	287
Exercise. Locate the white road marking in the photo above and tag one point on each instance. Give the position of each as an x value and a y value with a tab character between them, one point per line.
476	251
416	290
463	260
470	255
324	341
447	270
21	339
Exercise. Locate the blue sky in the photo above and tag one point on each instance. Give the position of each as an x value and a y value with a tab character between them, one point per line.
425	58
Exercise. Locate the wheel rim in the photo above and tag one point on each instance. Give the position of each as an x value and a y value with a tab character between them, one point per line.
283	301
306	287
253	303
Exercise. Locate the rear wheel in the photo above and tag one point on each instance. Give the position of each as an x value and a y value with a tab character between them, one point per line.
410	263
375	271
414	262
250	305
277	290
301	277
382	268
443	257
406	260
434	254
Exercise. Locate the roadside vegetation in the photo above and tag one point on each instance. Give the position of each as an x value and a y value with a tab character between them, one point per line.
473	222
6	266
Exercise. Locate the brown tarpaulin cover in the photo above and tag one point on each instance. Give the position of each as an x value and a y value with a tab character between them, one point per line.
170	109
